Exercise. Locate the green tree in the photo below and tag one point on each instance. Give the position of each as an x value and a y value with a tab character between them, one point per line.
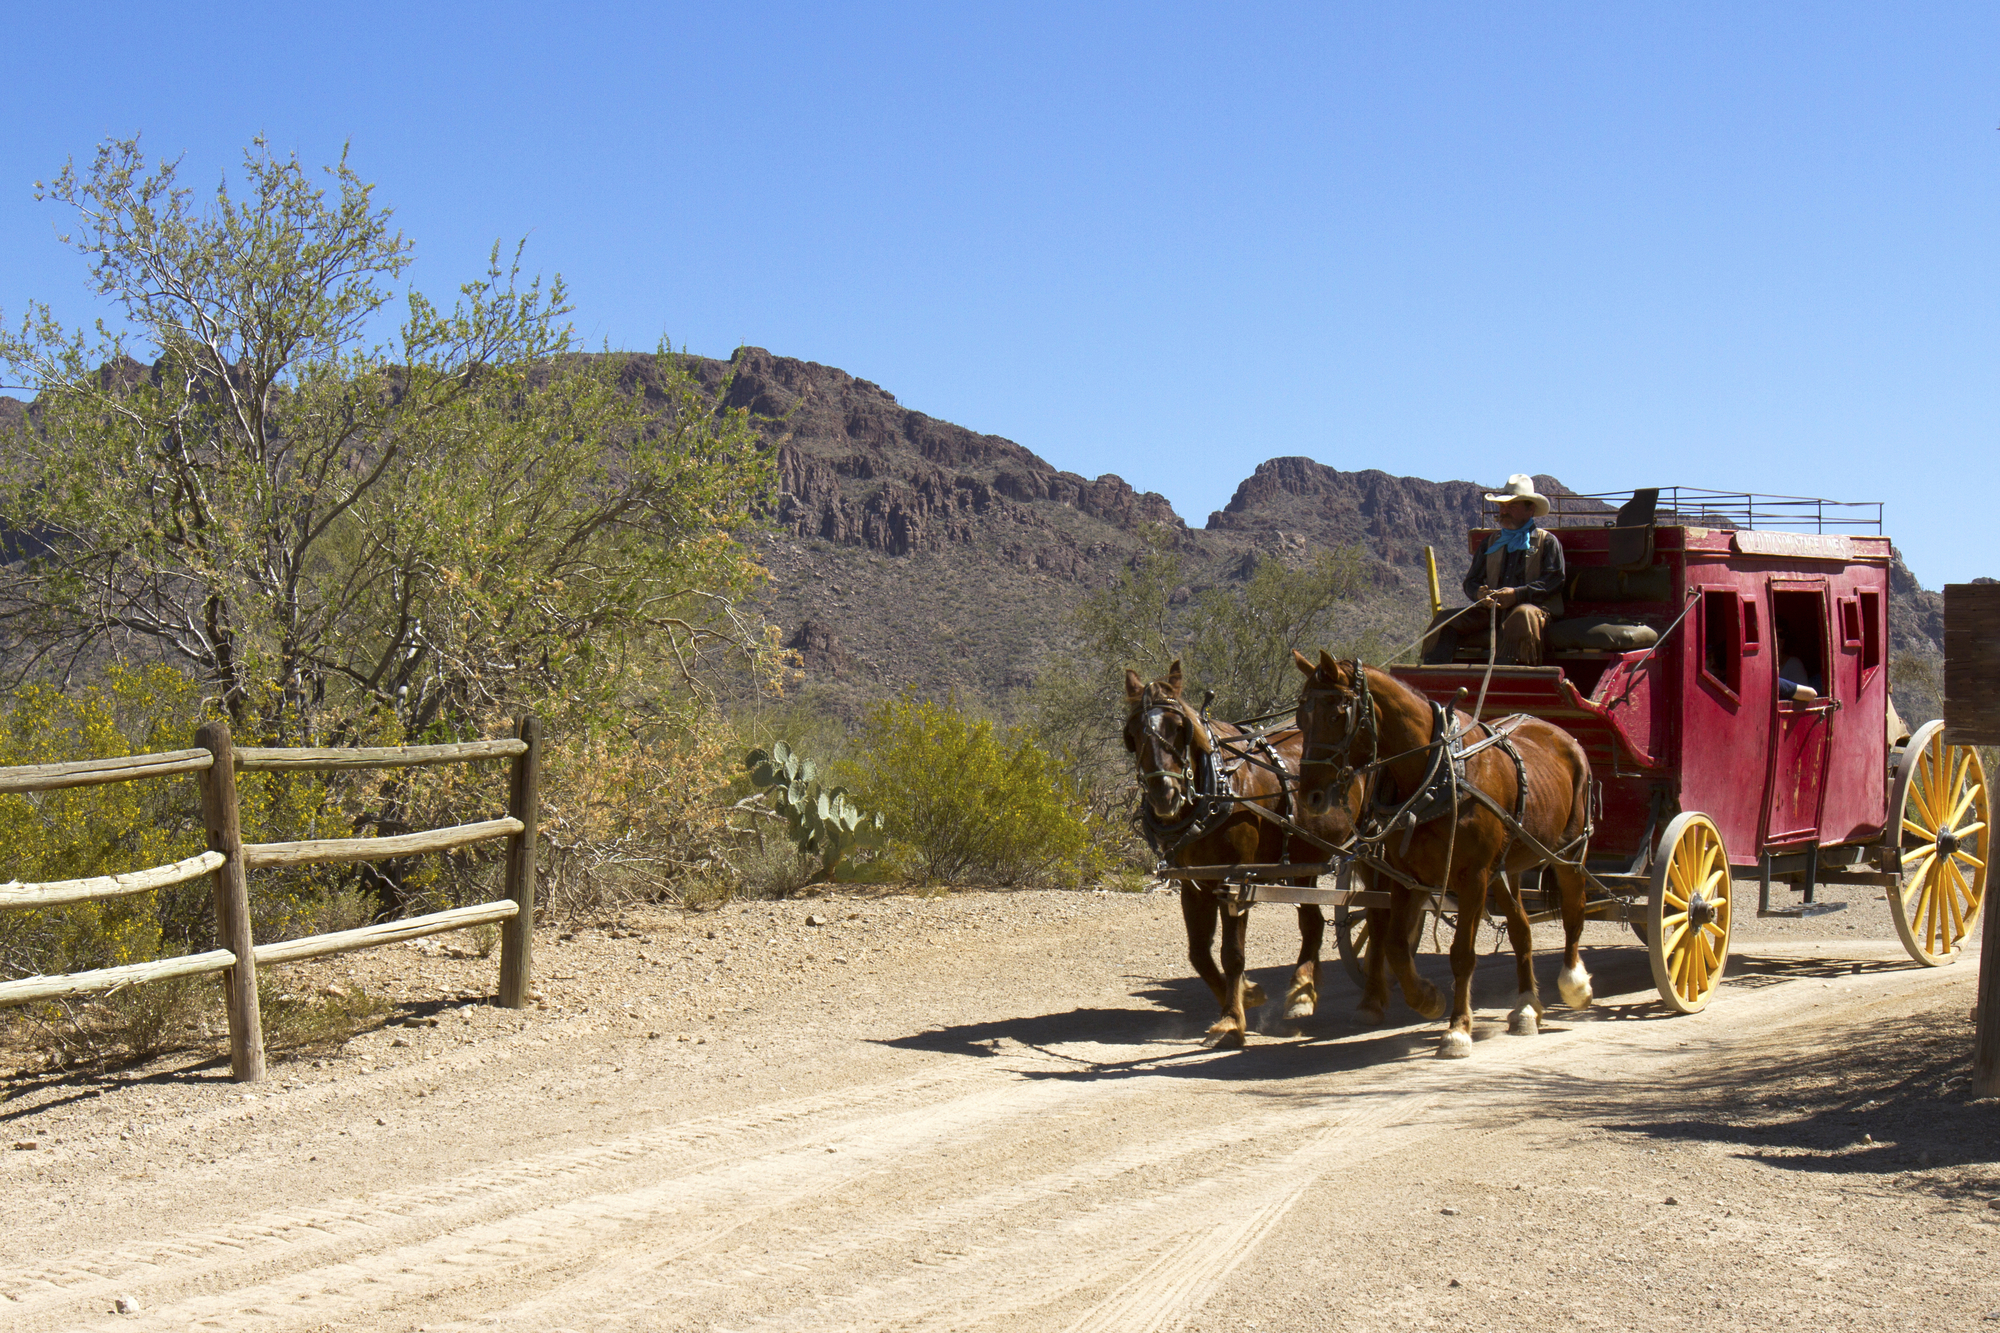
1241	636
324	526
1234	637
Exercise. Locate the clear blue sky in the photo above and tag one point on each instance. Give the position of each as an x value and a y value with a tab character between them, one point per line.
1734	245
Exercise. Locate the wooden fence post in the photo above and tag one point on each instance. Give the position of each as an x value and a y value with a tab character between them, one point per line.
517	933
219	814
1986	1037
1972	717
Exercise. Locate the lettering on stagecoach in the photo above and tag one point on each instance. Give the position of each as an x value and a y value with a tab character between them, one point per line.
1811	545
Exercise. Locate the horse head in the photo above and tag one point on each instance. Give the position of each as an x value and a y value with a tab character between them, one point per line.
1336	719
1164	735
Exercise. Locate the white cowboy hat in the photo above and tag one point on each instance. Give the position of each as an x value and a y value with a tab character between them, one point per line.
1521	486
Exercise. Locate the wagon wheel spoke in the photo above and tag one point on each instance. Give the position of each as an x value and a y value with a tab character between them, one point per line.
1677	930
1697	967
1975	862
1914	802
1977	826
1959	807
1936	791
1946	894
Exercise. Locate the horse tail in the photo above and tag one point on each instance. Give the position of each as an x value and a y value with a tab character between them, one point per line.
1579	796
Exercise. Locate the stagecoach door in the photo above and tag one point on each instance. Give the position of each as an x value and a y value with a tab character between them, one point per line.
1802	733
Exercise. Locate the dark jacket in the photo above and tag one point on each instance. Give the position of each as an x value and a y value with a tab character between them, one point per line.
1544	590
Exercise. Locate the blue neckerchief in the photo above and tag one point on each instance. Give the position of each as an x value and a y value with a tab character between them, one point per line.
1512	539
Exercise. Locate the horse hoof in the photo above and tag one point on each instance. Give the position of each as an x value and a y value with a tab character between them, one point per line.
1226	1039
1253	995
1301	1005
1523	1023
1574	987
1372	1016
1455	1046
1431	1006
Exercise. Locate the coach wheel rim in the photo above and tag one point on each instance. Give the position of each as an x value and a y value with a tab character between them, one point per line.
1942	807
1689	914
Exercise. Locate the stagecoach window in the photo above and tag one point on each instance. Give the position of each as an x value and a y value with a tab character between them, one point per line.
1798	619
1871	630
1850	623
1750	635
1722	639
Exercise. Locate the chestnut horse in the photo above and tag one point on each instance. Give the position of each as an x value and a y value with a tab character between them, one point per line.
1175	747
1362	723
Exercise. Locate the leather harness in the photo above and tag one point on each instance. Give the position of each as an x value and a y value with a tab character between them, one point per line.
1208	782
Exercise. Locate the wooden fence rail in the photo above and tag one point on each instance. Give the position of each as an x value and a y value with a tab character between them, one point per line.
229	860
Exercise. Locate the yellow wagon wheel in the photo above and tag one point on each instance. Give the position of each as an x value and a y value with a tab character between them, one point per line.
1350	938
1688	918
1941	805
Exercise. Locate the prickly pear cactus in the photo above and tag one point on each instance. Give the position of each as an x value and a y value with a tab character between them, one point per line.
822	821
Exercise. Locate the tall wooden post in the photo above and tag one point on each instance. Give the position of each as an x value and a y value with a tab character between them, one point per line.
517	933
219	815
1986	1040
1972	717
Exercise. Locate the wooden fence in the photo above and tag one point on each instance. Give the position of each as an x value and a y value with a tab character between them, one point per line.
215	762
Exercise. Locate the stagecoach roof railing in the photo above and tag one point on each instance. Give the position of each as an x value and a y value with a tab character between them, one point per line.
1698	507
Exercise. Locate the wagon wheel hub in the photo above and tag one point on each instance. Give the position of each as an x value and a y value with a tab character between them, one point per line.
1947	843
1700	911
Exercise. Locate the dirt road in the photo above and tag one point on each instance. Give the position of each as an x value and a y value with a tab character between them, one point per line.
990	1112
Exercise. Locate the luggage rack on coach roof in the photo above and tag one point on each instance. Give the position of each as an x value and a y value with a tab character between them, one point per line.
1698	507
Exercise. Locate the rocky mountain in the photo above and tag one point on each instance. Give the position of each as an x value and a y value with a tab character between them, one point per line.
917	553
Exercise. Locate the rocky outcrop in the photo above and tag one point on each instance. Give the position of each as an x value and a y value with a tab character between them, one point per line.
857	468
1393	517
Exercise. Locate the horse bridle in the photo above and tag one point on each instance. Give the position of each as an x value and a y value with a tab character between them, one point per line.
1357	717
1151	714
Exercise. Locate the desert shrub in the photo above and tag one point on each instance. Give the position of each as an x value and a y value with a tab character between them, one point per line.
636	813
971	802
143	1021
82	831
293	1021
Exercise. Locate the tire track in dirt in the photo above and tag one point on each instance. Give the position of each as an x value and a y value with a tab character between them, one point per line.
701	1220
283	1238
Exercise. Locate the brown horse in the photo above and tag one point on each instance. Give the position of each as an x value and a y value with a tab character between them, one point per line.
1174	748
1362	723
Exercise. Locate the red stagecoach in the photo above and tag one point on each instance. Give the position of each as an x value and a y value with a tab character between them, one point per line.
1681	606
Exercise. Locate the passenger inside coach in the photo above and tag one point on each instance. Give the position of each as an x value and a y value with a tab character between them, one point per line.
1796	680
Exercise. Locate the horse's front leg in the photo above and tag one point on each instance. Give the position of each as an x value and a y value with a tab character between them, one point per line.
1302	997
1374	1005
1470	891
1405	918
1199	910
1232	1027
1524	1020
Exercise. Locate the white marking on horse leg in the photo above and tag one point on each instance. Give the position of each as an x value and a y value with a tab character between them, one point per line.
1573	984
1304	998
1525	1020
1455	1046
